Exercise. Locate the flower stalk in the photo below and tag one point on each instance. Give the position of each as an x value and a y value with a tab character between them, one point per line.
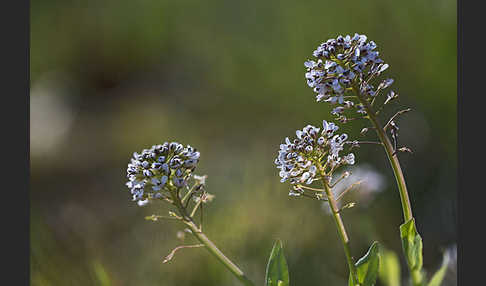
314	156
416	275
162	173
341	230
352	64
210	246
395	164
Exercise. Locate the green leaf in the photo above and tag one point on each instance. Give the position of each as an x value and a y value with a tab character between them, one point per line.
277	273
389	272
412	245
367	267
101	274
439	275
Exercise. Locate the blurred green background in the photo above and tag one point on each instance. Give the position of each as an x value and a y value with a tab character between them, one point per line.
112	77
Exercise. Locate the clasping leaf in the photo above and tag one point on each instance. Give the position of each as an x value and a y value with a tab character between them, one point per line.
412	245
367	267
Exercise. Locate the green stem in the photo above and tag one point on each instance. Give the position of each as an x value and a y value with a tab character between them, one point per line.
218	254
417	278
397	170
195	208
186	196
210	246
395	164
341	230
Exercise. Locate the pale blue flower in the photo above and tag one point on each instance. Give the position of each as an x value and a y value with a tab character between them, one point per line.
348	62
150	171
298	159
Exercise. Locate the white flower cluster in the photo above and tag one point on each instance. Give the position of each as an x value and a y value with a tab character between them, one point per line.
312	154
155	170
342	64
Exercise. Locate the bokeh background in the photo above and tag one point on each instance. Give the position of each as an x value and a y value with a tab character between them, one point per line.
112	77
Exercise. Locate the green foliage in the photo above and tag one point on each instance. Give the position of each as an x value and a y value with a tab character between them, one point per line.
277	273
412	244
436	280
101	274
389	273
367	267
412	248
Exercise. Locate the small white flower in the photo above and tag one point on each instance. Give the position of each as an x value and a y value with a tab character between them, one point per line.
142	203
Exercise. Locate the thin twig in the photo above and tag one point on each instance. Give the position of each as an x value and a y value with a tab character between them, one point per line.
308	196
171	254
310	189
189	192
347	206
343	176
370	142
348	189
355	118
201	223
188	200
313	197
363	142
157	217
196	207
394	116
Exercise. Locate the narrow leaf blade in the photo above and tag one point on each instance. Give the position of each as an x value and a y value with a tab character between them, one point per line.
277	273
350	280
389	272
439	275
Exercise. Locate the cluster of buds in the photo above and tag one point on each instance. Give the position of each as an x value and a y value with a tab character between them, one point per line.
344	64
314	153
155	172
